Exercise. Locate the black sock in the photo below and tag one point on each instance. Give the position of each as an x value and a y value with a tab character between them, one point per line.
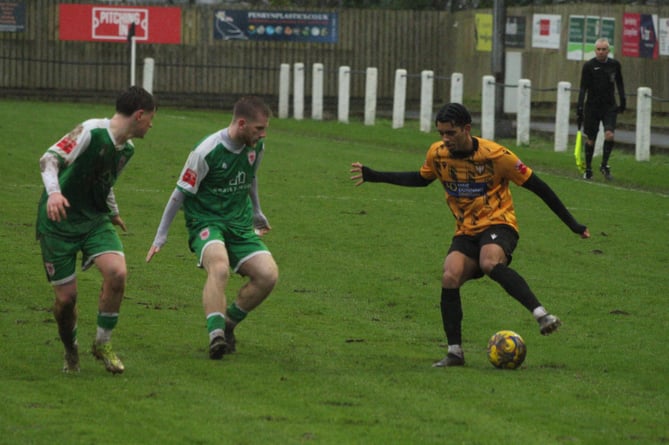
606	152
451	315
515	285
589	153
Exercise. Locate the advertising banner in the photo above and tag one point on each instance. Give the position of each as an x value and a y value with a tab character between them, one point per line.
515	32
664	37
283	26
546	31
112	23
12	16
483	32
640	35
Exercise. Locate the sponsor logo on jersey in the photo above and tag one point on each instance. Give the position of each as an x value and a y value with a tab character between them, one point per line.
252	157
67	144
204	234
189	177
465	189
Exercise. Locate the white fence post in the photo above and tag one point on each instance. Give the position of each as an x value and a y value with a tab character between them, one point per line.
426	100
399	98
344	93
562	116
488	107
457	88
147	75
523	116
284	90
317	91
371	86
298	91
643	114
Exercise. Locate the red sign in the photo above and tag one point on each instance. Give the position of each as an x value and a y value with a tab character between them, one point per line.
112	23
631	25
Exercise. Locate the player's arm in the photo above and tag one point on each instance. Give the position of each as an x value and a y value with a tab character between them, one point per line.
585	74
407	179
543	191
171	209
114	213
57	204
63	152
621	90
260	222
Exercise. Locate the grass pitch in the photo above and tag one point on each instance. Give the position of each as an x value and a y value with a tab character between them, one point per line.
341	351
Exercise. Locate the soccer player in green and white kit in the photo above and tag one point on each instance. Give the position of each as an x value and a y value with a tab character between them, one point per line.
218	190
77	212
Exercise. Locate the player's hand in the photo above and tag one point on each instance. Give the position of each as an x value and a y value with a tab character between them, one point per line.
585	234
356	168
56	206
152	251
261	224
117	221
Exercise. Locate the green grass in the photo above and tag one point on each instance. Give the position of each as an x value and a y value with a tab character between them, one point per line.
341	351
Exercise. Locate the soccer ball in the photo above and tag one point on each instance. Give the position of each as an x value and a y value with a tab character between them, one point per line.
506	350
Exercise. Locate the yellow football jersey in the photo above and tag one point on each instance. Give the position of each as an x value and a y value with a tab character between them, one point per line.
477	187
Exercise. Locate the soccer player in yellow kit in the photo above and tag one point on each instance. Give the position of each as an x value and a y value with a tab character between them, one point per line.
475	174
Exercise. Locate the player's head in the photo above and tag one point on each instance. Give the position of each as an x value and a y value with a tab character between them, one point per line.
137	107
455	114
250	119
602	49
133	99
454	124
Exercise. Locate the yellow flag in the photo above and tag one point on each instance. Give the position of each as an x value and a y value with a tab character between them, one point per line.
578	152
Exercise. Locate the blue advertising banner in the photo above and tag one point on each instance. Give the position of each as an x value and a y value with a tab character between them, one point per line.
12	16
283	26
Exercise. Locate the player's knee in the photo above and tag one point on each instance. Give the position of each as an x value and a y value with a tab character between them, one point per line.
268	275
451	279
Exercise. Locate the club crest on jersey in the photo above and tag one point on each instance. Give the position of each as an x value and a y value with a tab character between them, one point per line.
521	167
189	177
252	157
204	234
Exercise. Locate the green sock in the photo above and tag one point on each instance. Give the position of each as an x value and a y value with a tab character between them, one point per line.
235	314
215	321
107	320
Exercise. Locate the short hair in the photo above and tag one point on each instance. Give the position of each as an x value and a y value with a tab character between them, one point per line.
249	107
455	114
133	99
603	40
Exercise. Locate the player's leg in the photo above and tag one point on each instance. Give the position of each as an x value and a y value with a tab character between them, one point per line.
59	257
459	267
103	248
113	268
609	122
263	274
215	261
65	312
590	128
498	243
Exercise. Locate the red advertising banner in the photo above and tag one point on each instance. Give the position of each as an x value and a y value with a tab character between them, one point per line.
631	24
112	23
640	36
